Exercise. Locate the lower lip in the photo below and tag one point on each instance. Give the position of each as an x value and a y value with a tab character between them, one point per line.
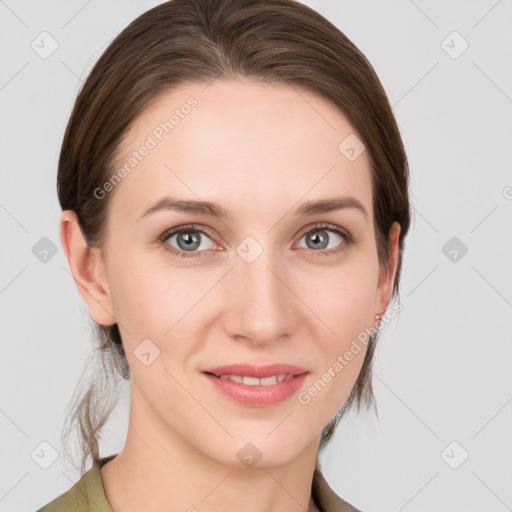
258	396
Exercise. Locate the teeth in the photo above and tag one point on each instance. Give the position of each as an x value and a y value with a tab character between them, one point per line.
251	381
255	381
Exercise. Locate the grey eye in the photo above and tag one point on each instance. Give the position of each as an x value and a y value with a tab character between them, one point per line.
319	238
190	240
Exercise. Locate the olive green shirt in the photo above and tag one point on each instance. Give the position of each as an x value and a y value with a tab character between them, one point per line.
88	494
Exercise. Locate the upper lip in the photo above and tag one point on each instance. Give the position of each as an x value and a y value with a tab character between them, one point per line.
256	371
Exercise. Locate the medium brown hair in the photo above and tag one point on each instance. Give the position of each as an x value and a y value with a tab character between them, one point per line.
198	41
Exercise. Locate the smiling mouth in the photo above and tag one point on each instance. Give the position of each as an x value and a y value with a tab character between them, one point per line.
254	381
257	386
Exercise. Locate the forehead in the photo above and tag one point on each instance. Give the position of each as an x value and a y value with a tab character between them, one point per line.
251	146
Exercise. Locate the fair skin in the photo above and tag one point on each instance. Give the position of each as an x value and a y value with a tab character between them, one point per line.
260	151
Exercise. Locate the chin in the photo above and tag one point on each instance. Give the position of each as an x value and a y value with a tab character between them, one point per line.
259	449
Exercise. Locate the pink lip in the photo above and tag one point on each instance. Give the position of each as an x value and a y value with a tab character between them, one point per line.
257	371
257	396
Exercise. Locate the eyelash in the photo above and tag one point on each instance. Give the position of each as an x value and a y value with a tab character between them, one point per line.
349	239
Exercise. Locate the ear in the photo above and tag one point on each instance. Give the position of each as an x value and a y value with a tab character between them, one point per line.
88	269
387	274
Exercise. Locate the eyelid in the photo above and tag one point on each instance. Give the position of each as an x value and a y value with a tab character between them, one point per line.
317	226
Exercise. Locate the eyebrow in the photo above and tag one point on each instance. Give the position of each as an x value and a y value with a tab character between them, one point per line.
215	210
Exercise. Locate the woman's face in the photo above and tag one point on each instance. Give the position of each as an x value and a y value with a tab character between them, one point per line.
257	286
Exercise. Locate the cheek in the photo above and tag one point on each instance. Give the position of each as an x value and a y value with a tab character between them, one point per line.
152	305
156	300
344	303
342	298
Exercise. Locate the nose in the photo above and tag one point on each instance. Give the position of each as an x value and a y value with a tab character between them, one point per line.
262	308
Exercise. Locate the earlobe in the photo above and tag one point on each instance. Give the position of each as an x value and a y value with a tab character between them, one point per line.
387	275
87	269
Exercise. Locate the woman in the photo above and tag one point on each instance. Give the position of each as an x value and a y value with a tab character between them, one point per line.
235	202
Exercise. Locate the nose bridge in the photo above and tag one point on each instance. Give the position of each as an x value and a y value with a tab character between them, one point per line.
260	301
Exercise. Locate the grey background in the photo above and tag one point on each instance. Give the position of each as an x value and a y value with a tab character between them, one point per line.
442	370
